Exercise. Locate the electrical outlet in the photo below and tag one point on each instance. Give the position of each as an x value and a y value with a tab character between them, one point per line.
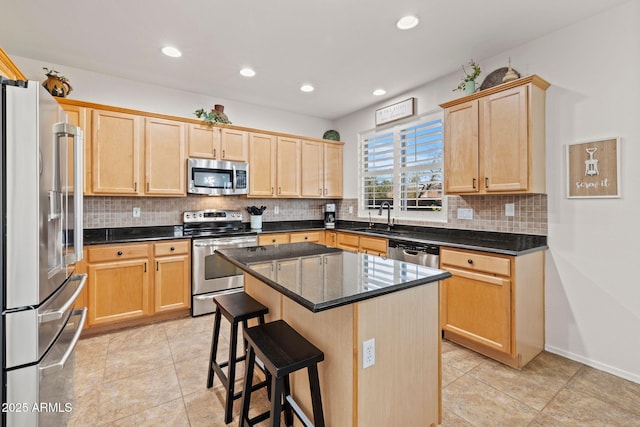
136	212
509	209
350	209
465	213
369	353
276	210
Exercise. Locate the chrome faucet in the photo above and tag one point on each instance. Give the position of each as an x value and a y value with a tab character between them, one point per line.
382	205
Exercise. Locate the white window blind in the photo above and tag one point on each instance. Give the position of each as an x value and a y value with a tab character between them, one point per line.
403	166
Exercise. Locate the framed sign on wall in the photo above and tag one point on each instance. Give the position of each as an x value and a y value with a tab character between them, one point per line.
396	111
593	169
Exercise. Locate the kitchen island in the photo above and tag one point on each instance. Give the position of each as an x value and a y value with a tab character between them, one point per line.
338	300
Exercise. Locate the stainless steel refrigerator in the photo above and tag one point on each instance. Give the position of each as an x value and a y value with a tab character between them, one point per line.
41	240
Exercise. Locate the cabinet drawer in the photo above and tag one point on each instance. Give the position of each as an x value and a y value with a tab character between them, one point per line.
171	248
348	240
310	236
475	261
372	244
273	239
116	253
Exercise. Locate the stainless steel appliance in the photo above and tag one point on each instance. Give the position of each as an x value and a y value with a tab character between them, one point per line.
217	178
416	253
330	216
41	240
210	274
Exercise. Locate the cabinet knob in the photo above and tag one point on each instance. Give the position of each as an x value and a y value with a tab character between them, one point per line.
119	253
306	237
172	248
273	240
470	261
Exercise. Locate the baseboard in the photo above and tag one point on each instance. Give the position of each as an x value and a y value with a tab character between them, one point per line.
594	364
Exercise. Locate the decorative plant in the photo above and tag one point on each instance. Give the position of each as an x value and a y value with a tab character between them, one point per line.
469	77
211	117
56	84
54	74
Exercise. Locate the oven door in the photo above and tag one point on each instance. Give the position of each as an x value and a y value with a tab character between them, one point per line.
211	274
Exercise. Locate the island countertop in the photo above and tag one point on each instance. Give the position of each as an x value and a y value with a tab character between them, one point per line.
321	278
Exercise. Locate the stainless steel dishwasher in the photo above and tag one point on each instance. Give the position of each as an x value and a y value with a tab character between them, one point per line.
416	253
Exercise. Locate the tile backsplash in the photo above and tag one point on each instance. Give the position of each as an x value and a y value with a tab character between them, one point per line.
530	211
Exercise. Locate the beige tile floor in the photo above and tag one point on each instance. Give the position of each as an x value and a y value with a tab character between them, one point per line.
156	376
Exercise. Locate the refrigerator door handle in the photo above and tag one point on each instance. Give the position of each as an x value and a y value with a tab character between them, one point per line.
66	129
49	316
59	364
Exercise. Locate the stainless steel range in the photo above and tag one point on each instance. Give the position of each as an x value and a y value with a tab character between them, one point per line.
210	274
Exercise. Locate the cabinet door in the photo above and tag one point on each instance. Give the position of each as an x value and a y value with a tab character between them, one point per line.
165	158
478	307
332	170
333	276
461	159
330	238
305	236
312	278
233	144
79	116
118	291
504	140
288	273
262	165
348	241
204	142
288	167
172	283
116	153
267	269
373	245
312	183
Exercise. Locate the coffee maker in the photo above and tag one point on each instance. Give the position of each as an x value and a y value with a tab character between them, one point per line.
330	216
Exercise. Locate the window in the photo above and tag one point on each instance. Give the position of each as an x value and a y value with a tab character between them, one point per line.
402	166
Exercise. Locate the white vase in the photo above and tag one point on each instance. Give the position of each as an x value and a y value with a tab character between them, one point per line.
256	222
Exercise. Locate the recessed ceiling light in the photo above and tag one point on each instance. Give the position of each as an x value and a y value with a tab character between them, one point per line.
307	88
407	22
379	92
171	51
247	72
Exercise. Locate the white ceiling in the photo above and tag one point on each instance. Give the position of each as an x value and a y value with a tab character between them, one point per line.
345	48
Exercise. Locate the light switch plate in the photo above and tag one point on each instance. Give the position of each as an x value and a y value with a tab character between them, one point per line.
276	210
136	212
465	213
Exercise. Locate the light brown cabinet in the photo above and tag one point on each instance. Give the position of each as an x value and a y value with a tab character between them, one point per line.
116	153
204	142
165	158
135	156
321	165
133	281
234	145
365	244
294	237
172	281
274	166
494	304
8	69
494	140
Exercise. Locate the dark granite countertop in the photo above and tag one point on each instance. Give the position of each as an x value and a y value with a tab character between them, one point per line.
98	236
487	241
334	277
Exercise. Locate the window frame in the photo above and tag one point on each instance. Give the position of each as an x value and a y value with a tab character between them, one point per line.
396	129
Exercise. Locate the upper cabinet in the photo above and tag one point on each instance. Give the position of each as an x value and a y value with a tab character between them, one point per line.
135	156
8	69
262	165
210	142
234	145
321	164
494	140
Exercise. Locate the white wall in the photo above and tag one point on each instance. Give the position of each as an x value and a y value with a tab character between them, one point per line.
103	89
592	286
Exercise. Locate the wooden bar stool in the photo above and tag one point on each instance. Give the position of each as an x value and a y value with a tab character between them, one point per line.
236	307
283	351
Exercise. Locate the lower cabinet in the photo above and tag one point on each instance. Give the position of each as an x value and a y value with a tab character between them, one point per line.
294	237
137	280
365	244
494	304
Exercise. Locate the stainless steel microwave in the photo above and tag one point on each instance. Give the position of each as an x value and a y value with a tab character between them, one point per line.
217	178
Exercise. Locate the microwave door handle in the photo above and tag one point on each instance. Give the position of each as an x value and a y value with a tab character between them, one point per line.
234	178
